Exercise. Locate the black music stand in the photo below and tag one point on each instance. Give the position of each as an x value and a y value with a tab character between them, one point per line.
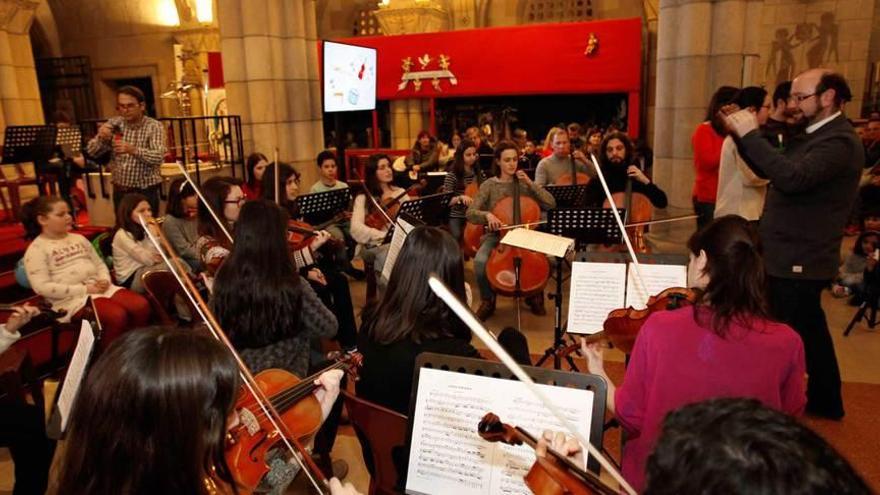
482	367
433	181
317	208
431	210
28	143
569	196
585	226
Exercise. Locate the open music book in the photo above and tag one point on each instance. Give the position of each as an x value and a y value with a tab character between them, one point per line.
405	224
599	288
76	371
448	456
541	242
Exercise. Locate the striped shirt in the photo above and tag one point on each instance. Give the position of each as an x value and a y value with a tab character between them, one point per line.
141	168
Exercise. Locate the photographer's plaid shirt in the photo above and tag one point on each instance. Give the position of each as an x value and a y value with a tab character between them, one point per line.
141	169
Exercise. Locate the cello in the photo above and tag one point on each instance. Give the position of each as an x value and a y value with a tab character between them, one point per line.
573	177
638	211
512	271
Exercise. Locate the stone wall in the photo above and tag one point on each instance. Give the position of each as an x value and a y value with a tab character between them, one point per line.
796	35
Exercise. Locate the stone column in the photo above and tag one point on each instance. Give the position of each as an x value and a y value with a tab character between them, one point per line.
701	46
19	92
270	64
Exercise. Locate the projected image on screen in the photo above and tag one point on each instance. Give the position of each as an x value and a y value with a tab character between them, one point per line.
349	77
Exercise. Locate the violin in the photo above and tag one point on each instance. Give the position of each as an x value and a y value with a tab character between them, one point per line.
44	307
622	326
513	271
470	239
551	475
389	208
249	443
300	235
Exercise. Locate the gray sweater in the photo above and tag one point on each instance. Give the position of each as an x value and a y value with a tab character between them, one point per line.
494	190
812	187
182	234
551	168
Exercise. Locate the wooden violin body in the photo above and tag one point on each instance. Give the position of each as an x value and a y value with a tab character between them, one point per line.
300	235
622	326
501	267
550	475
251	441
473	233
390	206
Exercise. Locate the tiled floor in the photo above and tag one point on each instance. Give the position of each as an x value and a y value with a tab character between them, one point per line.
858	355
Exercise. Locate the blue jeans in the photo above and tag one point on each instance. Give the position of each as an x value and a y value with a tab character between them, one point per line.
486	247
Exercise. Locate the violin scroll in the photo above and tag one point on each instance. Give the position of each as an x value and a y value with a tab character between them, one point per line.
491	429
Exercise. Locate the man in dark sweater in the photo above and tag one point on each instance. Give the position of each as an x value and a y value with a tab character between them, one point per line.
812	186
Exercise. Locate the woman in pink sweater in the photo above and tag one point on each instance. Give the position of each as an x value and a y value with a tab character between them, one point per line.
723	346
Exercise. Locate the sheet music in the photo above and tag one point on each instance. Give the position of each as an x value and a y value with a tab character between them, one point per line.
542	242
75	372
397	239
657	278
596	289
448	456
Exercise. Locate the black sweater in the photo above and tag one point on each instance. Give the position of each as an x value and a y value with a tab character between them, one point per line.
812	187
616	177
386	375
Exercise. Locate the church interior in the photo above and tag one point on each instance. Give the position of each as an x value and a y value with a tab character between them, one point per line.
228	79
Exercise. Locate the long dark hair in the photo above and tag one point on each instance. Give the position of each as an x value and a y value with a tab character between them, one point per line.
370	180
39	206
257	294
750	96
178	190
409	309
151	416
737	285
458	160
126	206
215	190
721	97
627	144
252	160
268	185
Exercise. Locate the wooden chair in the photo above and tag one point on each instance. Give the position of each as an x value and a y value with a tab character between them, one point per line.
372	284
381	432
162	287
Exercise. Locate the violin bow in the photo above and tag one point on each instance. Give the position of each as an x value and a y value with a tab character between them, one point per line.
277	180
480	331
290	442
629	247
370	197
205	201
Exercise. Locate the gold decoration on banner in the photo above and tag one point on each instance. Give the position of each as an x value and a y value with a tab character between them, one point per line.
592	45
426	73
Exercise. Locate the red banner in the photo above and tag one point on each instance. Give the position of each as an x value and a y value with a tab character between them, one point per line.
520	60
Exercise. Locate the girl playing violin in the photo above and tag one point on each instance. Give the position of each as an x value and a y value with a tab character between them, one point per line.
480	212
133	253
152	417
64	268
180	225
411	319
460	175
725	345
224	198
378	177
272	315
322	272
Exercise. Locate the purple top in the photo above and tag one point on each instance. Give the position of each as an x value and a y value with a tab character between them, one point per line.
675	362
